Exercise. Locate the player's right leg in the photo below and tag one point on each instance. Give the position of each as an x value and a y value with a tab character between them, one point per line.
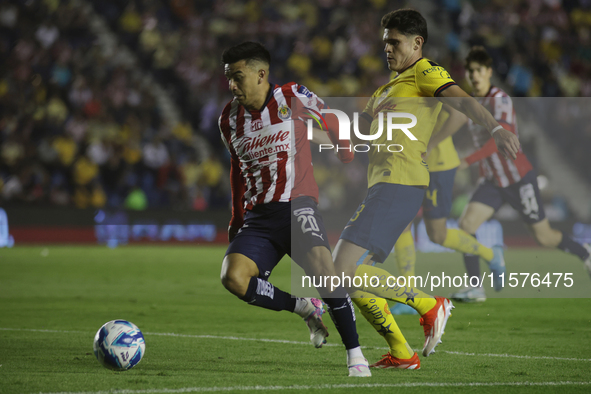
406	258
240	276
310	249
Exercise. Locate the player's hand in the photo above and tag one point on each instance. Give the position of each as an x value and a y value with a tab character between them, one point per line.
427	153
345	155
343	148
463	165
232	231
507	143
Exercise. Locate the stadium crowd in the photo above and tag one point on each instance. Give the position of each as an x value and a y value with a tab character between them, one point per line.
541	48
78	128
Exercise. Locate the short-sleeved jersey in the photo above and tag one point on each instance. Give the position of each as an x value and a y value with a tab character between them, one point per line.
444	156
493	166
410	91
270	147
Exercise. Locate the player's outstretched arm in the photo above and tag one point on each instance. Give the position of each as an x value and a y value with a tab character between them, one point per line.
343	147
506	141
320	137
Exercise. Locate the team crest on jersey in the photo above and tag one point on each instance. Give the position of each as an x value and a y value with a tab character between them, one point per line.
383	95
284	112
256	125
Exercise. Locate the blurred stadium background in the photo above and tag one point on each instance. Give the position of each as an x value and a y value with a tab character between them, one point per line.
108	109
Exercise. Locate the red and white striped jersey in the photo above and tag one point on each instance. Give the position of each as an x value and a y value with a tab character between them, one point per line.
271	158
493	166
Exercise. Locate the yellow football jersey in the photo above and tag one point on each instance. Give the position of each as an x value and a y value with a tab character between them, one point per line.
444	156
413	92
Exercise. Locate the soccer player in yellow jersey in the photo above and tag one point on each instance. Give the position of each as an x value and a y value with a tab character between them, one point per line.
397	182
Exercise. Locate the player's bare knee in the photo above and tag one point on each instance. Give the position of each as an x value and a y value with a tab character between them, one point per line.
438	239
234	278
546	235
235	282
437	236
545	239
468	225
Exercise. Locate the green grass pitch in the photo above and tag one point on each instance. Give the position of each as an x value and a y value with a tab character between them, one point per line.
53	300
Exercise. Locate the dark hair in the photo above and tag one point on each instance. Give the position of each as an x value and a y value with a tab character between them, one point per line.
479	55
407	22
246	51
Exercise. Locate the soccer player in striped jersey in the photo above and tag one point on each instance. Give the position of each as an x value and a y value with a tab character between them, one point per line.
503	181
397	183
274	198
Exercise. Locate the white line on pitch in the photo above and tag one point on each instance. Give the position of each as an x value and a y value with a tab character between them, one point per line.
323	387
232	338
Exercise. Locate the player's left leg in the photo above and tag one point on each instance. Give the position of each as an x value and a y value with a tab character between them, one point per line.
436	209
456	239
318	263
310	249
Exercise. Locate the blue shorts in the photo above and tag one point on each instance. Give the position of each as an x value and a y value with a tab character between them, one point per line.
382	217
439	195
523	196
271	231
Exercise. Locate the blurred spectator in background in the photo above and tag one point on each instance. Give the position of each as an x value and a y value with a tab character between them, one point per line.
61	91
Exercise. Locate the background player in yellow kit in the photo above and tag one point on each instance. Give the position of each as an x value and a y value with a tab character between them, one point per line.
443	161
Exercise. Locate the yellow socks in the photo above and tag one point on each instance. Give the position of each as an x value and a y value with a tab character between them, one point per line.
406	256
377	313
379	282
461	241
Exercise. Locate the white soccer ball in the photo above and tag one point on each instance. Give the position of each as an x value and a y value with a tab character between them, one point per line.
119	345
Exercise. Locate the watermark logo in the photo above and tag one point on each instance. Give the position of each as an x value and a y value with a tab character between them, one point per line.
344	128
